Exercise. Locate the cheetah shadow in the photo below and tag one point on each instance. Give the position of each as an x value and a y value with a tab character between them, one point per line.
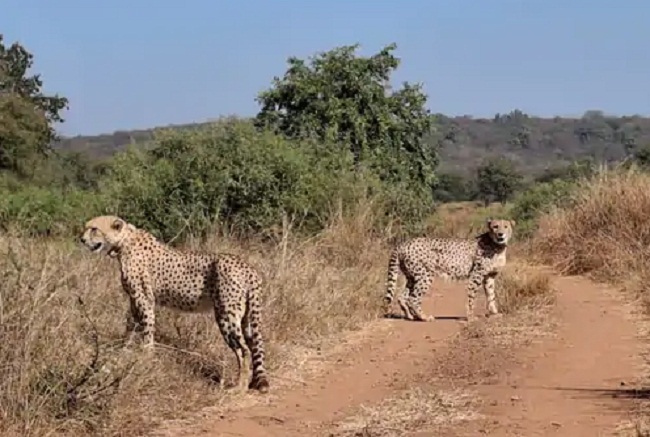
394	316
176	350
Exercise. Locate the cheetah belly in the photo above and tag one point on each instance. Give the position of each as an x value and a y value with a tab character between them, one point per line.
184	297
452	269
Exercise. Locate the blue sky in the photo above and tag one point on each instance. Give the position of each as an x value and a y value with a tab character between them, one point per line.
136	64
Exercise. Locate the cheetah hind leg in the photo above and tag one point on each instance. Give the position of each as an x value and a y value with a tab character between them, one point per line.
256	347
403	299
421	287
233	335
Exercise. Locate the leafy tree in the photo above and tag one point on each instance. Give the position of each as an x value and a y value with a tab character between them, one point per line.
582	168
452	187
188	180
497	179
642	156
342	97
537	200
27	116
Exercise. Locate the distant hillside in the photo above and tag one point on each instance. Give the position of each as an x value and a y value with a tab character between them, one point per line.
534	143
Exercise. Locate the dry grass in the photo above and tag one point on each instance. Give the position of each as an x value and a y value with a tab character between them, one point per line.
415	409
522	286
66	371
463	219
434	402
480	349
605	233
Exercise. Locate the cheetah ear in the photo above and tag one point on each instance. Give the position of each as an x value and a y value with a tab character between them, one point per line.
117	225
513	223
488	222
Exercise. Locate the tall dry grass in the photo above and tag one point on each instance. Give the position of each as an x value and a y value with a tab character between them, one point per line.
604	232
66	371
463	219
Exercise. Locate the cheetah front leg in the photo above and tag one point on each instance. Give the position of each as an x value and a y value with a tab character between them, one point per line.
490	294
474	282
133	321
144	304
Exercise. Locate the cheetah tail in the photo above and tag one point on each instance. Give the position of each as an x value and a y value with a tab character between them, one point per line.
393	271
260	380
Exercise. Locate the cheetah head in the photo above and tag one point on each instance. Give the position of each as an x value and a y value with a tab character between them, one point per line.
500	230
106	232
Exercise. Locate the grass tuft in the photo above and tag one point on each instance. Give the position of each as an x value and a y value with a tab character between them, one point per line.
414	409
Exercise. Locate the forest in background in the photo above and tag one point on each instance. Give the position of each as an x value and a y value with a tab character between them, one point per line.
313	191
330	134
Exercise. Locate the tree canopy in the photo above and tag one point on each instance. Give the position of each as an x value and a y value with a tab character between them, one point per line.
27	115
343	97
497	180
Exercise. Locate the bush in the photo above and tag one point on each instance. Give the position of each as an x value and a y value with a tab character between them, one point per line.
497	179
604	231
537	200
66	371
231	173
43	211
189	180
452	188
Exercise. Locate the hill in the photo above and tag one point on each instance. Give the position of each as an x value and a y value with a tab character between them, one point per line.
534	143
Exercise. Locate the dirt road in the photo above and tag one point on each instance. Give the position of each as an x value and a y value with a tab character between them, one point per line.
572	384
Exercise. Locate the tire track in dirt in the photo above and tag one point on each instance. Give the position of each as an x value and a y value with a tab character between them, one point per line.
561	386
375	369
577	384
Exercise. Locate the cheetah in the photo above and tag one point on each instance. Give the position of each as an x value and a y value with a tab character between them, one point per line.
155	273
422	259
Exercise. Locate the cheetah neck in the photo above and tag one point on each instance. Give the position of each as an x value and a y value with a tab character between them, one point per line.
487	245
122	245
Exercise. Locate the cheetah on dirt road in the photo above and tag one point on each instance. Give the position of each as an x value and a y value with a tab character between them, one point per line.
422	259
154	273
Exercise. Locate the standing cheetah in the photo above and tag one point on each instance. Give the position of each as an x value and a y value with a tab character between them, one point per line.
422	259
154	273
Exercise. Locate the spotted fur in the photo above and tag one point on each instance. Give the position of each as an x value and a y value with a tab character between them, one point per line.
154	273
422	259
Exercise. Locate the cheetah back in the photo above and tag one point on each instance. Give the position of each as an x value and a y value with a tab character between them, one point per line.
187	280
447	258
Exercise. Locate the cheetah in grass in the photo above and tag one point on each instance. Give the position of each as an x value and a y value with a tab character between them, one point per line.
154	273
422	259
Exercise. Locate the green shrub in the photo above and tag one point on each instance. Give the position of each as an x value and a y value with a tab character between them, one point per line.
46	211
537	200
230	172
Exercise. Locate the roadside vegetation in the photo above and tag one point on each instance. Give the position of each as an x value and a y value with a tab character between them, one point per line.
313	191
